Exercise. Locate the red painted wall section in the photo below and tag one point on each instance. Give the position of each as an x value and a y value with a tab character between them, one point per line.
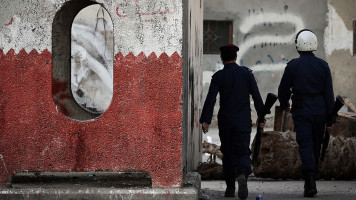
141	130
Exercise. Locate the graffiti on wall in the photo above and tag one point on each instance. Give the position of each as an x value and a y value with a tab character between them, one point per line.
266	41
258	32
147	10
263	39
268	44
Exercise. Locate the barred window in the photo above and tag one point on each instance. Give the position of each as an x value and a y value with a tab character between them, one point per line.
216	34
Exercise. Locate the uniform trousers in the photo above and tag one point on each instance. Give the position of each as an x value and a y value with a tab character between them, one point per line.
310	131
235	146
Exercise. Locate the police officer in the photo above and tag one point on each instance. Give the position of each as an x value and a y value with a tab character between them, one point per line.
234	83
307	81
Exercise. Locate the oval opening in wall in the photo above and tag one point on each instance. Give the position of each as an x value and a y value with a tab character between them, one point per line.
92	59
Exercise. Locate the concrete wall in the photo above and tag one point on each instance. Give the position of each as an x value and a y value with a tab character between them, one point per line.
42	128
339	46
265	32
192	73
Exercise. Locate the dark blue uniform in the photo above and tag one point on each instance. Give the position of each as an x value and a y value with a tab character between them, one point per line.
234	83
308	78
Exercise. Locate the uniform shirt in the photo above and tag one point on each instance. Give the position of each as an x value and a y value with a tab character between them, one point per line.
234	83
305	75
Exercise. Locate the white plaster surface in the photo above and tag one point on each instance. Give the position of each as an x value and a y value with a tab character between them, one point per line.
26	25
251	21
337	36
139	25
148	26
269	67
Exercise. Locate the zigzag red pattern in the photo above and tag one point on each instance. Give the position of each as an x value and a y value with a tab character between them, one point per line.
141	130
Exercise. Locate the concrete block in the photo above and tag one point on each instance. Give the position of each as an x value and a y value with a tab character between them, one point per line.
69	193
62	187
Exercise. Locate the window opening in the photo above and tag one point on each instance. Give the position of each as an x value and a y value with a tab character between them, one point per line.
216	34
92	59
82	77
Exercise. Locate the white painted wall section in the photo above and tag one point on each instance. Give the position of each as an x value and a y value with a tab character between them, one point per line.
139	25
251	21
148	26
338	37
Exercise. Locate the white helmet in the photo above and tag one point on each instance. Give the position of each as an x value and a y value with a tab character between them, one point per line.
306	40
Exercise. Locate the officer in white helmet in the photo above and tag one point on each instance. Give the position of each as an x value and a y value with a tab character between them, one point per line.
307	81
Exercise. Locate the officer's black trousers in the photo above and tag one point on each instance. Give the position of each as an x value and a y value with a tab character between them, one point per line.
310	131
235	145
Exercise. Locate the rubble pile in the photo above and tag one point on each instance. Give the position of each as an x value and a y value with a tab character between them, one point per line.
279	157
210	171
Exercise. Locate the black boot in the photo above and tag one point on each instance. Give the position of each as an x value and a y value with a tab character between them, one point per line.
243	190
306	184
230	192
230	184
310	186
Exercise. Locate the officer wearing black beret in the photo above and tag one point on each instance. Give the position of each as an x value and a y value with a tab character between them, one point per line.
235	84
308	78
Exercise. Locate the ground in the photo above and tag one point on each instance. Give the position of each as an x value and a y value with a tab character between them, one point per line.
275	189
272	189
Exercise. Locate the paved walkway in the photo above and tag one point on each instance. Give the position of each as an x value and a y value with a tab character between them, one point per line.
271	189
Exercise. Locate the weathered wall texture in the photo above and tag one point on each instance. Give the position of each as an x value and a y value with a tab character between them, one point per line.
339	46
192	73
265	32
142	128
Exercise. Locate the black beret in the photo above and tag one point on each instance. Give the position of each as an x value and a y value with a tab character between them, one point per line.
229	47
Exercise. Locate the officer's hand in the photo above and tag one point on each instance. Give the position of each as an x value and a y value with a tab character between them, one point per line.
330	128
261	125
205	127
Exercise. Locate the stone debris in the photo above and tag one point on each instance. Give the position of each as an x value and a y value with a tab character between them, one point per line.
213	150
210	171
279	157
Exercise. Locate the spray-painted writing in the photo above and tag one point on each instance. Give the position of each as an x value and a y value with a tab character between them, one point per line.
145	10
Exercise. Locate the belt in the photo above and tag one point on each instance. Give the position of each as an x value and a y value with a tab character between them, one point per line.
308	96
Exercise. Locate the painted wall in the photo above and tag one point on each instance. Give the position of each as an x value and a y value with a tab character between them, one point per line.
192	76
265	32
141	129
339	46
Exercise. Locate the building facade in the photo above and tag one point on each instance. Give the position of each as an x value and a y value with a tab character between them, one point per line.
140	51
265	32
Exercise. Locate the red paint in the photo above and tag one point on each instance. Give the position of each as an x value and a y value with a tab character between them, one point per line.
141	130
8	24
59	90
118	14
